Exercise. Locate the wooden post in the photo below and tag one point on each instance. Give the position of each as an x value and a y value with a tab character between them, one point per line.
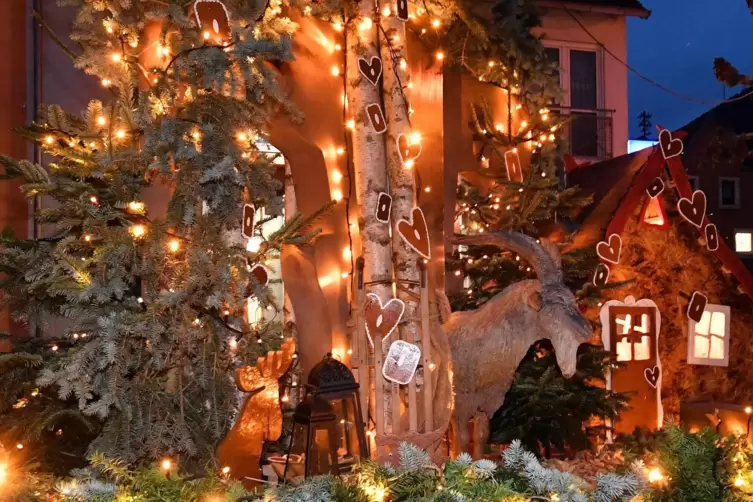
379	391
360	345
426	348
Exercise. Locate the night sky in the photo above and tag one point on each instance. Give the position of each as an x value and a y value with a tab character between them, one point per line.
676	47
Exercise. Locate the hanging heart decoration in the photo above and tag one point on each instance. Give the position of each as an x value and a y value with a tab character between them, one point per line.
381	319
512	164
696	306
712	237
261	274
655	188
402	10
407	151
669	147
376	117
384	206
601	275
415	233
610	249
372	70
213	18
652	375
249	221
693	209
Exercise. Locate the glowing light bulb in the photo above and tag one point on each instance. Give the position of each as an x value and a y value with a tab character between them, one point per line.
93	199
346	253
409	163
106	82
386	12
435	23
655	475
109	29
196	135
116	57
337	195
345	275
226	470
338	26
427	189
414	138
335	71
410	85
19	446
366	24
166	464
137	231
350	124
551	137
139	300
739	481
242	136
499	127
88	238
120	134
403	64
173	245
136	206
491	64
523	124
337	176
340	150
748	410
49	140
54	348
440	55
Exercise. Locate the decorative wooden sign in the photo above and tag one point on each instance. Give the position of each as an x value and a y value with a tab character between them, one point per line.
601	275
669	147
401	362
384	206
712	237
693	209
655	188
249	221
611	249
213	19
512	164
376	117
696	306
381	319
402	10
371	70
415	233
630	331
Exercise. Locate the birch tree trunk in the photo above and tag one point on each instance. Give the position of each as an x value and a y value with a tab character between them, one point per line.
368	164
401	178
291	208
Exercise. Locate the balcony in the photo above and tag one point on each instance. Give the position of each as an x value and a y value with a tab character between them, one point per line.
588	132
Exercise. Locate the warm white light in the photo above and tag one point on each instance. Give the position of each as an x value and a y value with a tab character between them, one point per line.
744	242
226	470
49	140
335	71
196	135
738	481
386	12
346	253
337	195
748	410
136	206
338	26
655	475
207	35
350	124
173	245
403	64
414	138
435	23
409	163
523	124
166	464
366	24
117	57
120	134
19	446
427	189
101	120
137	231
106	82
54	348
242	136
340	150
440	55
337	176
254	244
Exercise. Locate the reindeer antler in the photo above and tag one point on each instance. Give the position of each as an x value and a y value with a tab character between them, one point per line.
543	257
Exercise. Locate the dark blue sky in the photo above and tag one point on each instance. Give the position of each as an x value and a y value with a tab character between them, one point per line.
676	47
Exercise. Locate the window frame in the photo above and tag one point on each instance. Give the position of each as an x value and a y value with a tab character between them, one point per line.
564	48
699	361
743	231
736	181
695	182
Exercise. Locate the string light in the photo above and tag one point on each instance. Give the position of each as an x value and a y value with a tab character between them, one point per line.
337	176
337	195
166	464
350	124
116	57
101	120
120	134
19	446
93	199
242	136
346	253
137	231
173	245
136	206
386	12
335	71
338	26
366	24
403	64
427	189
738	481
226	470
435	23
440	55
54	348
340	150
655	475
106	82
49	140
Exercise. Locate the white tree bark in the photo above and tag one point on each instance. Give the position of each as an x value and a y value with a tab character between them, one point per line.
401	178
369	164
291	208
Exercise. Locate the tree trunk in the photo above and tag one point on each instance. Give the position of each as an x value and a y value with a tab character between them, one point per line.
368	163
291	208
402	183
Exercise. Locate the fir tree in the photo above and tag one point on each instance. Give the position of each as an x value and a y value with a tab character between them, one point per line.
644	125
155	304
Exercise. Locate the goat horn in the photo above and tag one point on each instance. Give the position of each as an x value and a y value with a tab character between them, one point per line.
543	257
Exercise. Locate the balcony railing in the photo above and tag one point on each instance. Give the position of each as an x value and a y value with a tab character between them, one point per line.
588	132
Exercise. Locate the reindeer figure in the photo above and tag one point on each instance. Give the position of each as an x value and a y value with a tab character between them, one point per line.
489	343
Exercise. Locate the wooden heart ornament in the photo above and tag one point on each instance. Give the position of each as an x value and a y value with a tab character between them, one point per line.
669	147
381	319
213	19
384	205
402	10
408	152
371	70
512	164
376	117
693	209
415	233
601	275
610	249
652	375
261	274
248	224
712	237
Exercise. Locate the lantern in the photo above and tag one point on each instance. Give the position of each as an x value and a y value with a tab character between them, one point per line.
332	381
315	442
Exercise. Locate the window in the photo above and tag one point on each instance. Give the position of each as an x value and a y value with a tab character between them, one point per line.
708	340
744	241
729	193
589	130
695	183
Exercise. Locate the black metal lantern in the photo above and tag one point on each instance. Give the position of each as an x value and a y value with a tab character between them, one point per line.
333	382
314	445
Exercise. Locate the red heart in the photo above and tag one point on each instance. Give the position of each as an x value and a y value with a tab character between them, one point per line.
669	147
415	233
408	152
693	210
382	319
610	251
371	70
652	375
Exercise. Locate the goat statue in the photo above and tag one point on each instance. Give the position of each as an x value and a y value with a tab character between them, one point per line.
487	344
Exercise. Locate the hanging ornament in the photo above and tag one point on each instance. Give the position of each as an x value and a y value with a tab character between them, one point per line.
371	70
408	151
653	213
415	233
384	206
381	319
249	221
712	237
402	10
693	209
512	164
655	188
214	20
611	249
652	375
601	276
261	274
401	362
696	306
669	147
376	117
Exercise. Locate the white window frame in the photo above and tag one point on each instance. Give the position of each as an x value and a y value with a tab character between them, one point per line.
695	182
692	359
736	180
743	231
564	70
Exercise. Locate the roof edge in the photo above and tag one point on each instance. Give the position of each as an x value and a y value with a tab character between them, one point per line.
601	9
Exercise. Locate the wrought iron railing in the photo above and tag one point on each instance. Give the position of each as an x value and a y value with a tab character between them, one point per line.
588	132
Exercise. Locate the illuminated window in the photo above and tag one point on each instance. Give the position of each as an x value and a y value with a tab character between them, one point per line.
633	329
744	241
708	341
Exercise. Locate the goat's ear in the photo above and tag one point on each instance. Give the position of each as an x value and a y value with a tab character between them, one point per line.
534	301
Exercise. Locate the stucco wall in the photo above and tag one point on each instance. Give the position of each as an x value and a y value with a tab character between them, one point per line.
610	30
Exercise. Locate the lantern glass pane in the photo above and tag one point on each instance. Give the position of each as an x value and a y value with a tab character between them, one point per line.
297	457
321	458
347	427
